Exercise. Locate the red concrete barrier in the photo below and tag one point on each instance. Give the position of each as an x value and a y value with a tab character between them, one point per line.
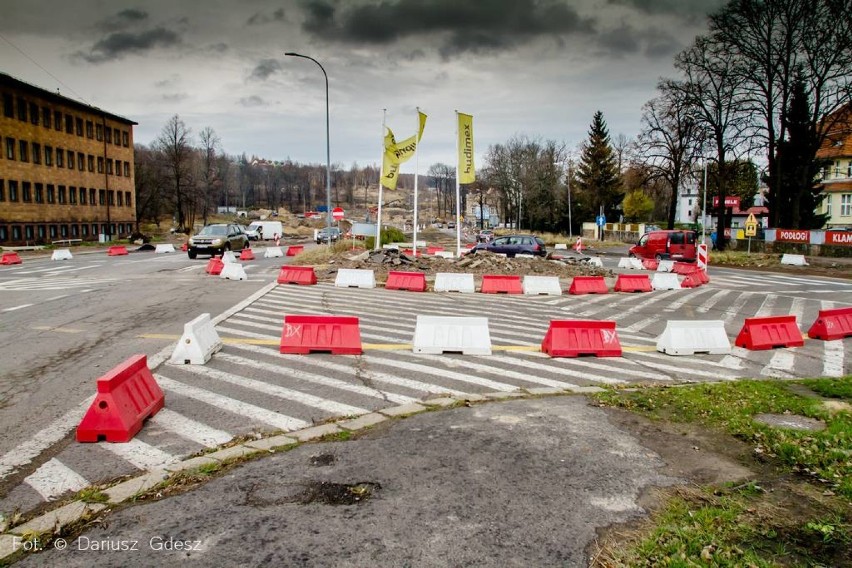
769	332
702	276
247	254
683	268
338	335
573	338
184	247
588	285
304	275
214	266
692	280
293	250
433	250
633	283
127	396
832	324
10	258
117	250
650	264
411	281
501	284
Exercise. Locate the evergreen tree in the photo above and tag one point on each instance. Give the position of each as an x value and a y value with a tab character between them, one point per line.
598	178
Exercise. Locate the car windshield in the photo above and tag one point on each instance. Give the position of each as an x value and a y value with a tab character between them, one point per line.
214	230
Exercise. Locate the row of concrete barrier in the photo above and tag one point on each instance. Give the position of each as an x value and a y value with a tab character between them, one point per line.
128	395
496	283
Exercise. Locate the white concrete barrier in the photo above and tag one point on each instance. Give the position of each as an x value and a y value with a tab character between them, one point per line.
439	334
164	248
624	263
445	254
665	281
454	282
228	257
692	336
61	254
391	247
273	252
636	264
560	246
198	343
794	259
355	278
537	285
665	266
233	271
595	261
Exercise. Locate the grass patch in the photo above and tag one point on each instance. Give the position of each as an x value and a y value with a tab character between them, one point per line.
802	520
342	436
323	254
832	388
92	495
824	456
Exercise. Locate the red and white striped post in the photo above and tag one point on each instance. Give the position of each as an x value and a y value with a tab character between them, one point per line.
702	257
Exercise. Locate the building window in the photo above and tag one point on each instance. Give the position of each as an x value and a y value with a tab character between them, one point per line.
108	133
36	153
101	197
53	231
16	233
45	117
42	231
82	196
22	109
81	161
69	124
70	159
2	190
100	165
116	137
75	231
91	196
8	106
90	129
60	158
39	193
120	197
127	198
26	192
94	229
109	166
63	231
127	169
4	234
48	155
10	148
111	197
91	162
34	113
57	120
99	131
13	190
51	193
125	141
29	234
72	195
846	204
79	123
84	229
61	194
23	150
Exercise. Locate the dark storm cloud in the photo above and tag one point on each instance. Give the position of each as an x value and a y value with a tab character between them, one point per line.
220	47
265	68
263	18
686	8
487	25
123	20
252	101
626	40
117	45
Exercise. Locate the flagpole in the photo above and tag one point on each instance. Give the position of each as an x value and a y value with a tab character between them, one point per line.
416	172
377	245
458	199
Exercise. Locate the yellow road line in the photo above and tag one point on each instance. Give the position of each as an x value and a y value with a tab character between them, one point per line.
58	329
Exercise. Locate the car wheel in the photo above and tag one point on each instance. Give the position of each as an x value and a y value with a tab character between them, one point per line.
227	247
631	255
658	257
192	254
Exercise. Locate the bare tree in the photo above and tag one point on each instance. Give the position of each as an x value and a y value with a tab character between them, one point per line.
210	177
176	151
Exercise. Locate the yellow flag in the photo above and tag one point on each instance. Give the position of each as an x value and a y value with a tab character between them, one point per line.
467	173
398	152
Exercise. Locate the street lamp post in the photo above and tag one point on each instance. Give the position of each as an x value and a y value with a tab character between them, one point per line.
327	149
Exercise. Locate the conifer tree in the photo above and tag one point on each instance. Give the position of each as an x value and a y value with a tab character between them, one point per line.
598	178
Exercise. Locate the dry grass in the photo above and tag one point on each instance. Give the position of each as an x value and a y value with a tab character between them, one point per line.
322	255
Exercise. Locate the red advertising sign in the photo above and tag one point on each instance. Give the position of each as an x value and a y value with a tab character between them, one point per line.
843	238
729	202
793	236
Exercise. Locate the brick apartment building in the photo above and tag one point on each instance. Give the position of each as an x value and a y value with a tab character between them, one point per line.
66	168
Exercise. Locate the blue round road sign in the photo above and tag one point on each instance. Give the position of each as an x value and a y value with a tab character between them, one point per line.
600	220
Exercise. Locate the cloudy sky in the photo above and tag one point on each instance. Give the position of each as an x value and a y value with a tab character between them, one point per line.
539	68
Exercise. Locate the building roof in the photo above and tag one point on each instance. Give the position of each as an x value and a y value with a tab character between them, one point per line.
838	139
8	80
836	186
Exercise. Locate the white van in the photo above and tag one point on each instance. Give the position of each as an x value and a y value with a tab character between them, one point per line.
265	230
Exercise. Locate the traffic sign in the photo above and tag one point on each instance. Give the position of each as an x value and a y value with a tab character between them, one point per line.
751	226
600	220
337	213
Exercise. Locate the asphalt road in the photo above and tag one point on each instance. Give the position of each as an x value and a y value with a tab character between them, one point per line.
66	323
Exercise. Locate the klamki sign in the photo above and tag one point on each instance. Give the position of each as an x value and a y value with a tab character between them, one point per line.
838	238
